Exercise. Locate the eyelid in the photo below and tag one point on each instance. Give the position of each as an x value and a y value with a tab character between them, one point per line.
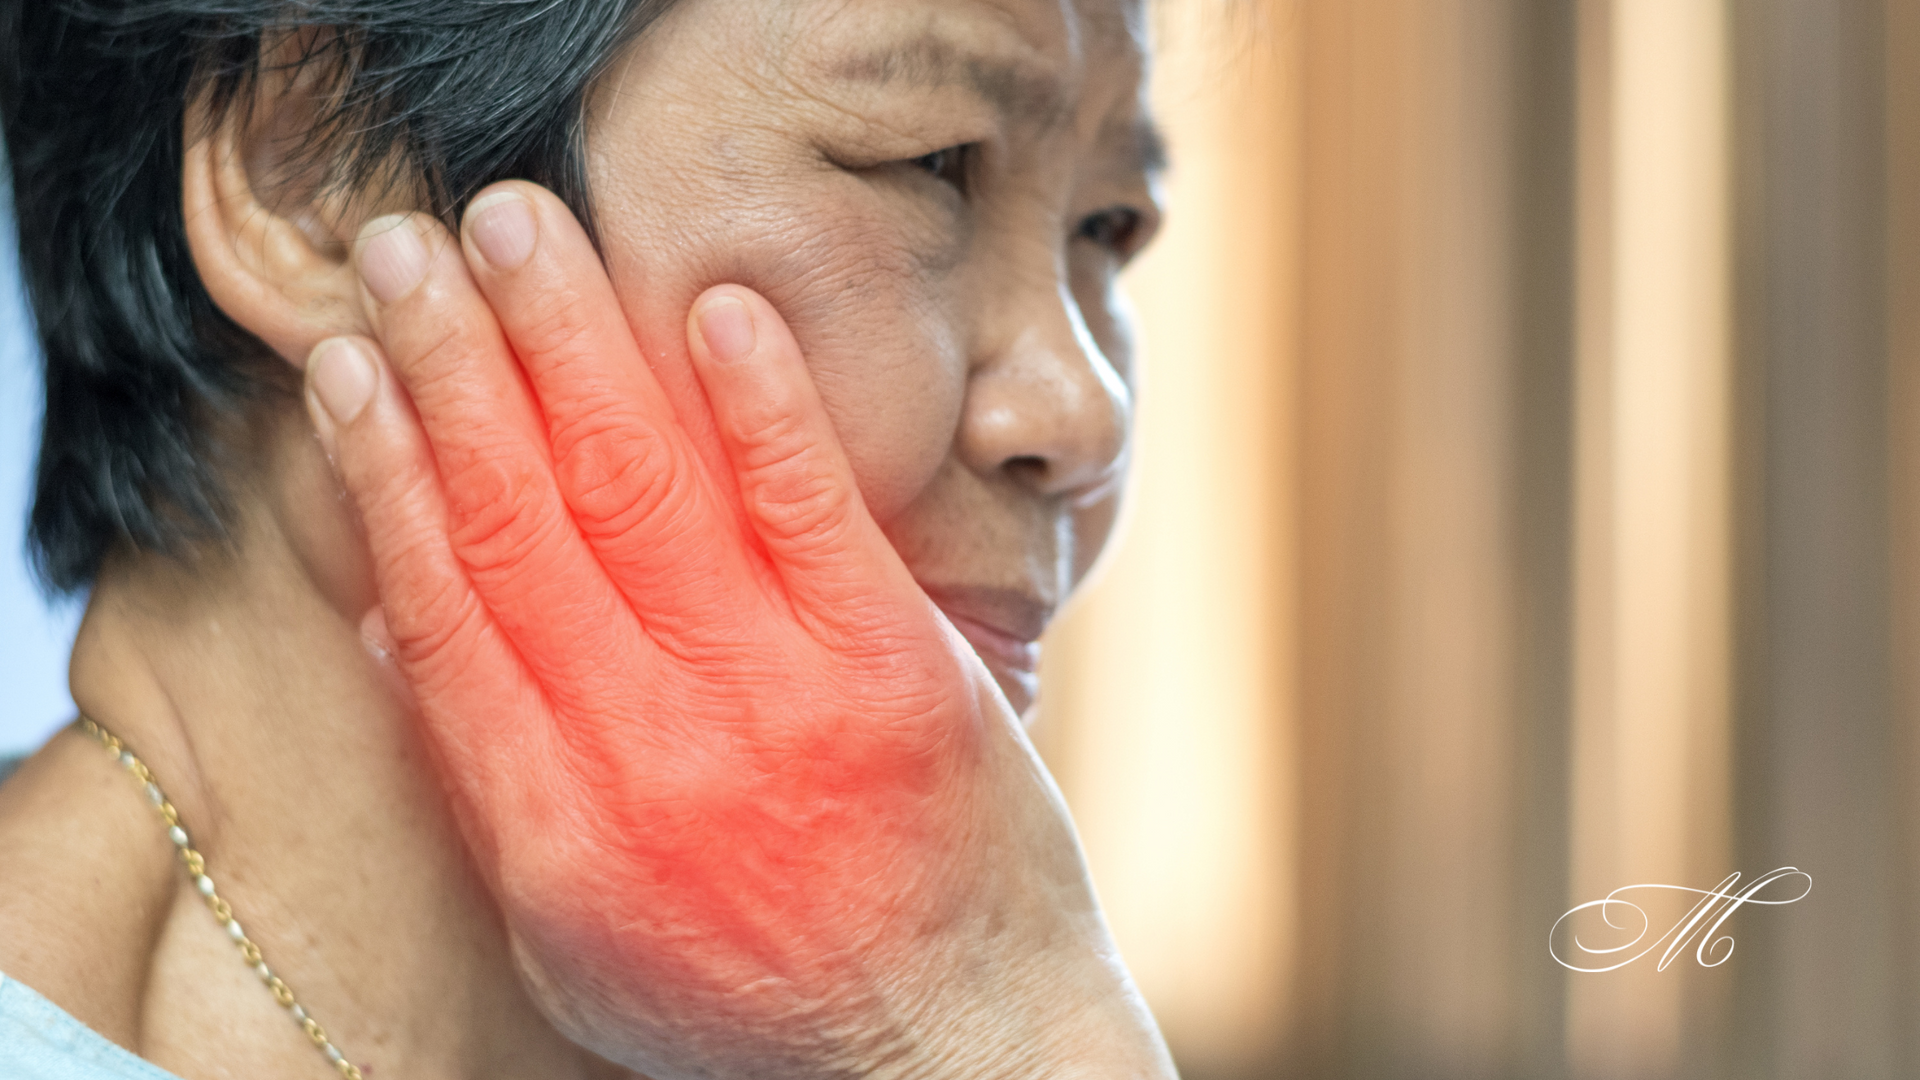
1137	228
952	165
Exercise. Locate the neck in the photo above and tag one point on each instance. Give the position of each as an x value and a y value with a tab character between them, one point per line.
288	750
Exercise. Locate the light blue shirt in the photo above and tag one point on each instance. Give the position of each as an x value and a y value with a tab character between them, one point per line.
39	1041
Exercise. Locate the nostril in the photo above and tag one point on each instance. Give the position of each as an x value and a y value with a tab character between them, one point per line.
1030	467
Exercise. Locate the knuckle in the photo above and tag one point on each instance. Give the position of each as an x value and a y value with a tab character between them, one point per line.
797	499
439	645
618	477
391	496
436	358
451	379
772	440
793	491
499	512
553	325
429	615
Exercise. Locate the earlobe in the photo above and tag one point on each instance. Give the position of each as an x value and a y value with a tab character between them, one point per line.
287	286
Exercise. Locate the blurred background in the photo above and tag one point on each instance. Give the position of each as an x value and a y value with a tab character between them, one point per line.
35	636
1527	505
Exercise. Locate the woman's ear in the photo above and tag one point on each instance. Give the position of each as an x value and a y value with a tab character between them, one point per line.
268	245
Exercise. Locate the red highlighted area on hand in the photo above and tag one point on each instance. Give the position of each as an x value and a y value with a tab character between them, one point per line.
732	777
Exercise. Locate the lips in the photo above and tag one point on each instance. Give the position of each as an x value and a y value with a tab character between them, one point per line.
1004	628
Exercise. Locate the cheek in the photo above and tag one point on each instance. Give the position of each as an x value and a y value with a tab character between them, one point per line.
1092	527
882	340
878	325
896	408
1109	318
1107	311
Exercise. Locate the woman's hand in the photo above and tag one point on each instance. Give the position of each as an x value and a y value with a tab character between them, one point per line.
749	804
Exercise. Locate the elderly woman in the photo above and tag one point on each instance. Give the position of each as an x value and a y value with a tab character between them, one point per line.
569	491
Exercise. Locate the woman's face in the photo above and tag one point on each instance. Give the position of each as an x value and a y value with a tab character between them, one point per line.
938	196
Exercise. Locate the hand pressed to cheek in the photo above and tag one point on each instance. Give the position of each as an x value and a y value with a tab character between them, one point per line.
721	759
881	340
966	346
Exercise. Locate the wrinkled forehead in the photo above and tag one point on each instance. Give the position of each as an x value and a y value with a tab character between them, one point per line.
1096	32
1036	58
1042	64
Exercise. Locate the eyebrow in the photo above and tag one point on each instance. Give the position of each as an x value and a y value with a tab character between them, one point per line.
1018	90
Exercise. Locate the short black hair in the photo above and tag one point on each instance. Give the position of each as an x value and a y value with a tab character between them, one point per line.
94	97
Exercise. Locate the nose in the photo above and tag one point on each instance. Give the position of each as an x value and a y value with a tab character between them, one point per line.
1044	404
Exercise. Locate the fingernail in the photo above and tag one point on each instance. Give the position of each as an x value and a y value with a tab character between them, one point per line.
727	327
392	258
375	635
343	378
503	228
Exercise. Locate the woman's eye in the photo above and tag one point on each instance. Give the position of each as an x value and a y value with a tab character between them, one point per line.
949	166
1117	230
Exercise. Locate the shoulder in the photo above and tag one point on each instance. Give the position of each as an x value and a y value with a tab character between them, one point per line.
40	1041
88	886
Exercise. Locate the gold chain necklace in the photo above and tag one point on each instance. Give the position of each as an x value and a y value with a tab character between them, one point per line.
196	865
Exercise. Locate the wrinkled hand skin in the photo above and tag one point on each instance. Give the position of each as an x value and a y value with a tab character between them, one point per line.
749	805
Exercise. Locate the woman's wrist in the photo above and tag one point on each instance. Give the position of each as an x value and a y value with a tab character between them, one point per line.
1044	994
1112	1038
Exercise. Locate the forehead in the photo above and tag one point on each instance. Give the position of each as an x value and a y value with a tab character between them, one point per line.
1036	59
1052	27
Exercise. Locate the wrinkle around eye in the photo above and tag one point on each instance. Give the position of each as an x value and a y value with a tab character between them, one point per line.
951	165
936	220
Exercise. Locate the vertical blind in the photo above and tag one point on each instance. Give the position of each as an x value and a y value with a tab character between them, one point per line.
1526	504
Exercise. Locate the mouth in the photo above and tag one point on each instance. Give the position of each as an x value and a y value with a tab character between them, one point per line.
1004	628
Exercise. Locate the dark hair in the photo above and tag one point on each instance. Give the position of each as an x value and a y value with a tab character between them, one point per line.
93	95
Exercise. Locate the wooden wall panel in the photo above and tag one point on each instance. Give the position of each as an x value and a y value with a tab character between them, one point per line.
1903	356
1653	624
1819	991
1421	631
1433	536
